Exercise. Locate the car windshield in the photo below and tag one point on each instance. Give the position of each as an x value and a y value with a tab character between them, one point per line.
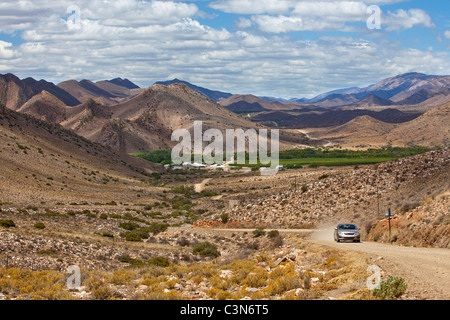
347	226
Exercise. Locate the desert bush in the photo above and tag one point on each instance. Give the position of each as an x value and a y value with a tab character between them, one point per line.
130	226
224	217
180	203
390	289
183	242
71	213
277	242
107	235
156	228
283	279
159	261
408	207
306	280
7	224
136	235
39	225
273	234
102	291
206	249
161	295
219	294
258	232
50	213
256	279
48	252
253	245
131	261
177	213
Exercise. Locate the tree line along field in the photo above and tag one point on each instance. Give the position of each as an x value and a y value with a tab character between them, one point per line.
314	157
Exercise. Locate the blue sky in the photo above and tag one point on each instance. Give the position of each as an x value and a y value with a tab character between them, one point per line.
282	48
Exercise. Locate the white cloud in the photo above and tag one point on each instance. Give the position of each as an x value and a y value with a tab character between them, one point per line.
402	19
243	23
337	10
253	6
148	41
5	51
447	34
278	24
291	15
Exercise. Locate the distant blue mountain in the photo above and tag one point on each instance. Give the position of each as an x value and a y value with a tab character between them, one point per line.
334	92
124	83
213	95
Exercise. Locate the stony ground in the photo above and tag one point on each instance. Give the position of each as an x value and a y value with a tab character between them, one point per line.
93	234
359	195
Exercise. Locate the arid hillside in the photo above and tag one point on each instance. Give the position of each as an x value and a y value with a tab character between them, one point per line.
45	106
249	103
359	131
430	129
105	92
147	121
42	162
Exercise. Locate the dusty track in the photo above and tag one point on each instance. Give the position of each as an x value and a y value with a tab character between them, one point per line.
426	270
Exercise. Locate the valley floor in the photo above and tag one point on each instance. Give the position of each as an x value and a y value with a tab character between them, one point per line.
235	236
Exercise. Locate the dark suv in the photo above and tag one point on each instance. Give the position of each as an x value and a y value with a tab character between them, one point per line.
346	232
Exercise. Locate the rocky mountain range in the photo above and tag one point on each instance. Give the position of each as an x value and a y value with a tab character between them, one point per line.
396	89
410	89
119	114
15	92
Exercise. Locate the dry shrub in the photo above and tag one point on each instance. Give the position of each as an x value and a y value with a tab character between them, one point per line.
256	279
27	284
123	277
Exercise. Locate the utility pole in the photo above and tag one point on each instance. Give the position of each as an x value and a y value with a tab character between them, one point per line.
389	215
378	202
378	192
389	225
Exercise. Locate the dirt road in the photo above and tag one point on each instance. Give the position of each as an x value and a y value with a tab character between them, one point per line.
426	270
